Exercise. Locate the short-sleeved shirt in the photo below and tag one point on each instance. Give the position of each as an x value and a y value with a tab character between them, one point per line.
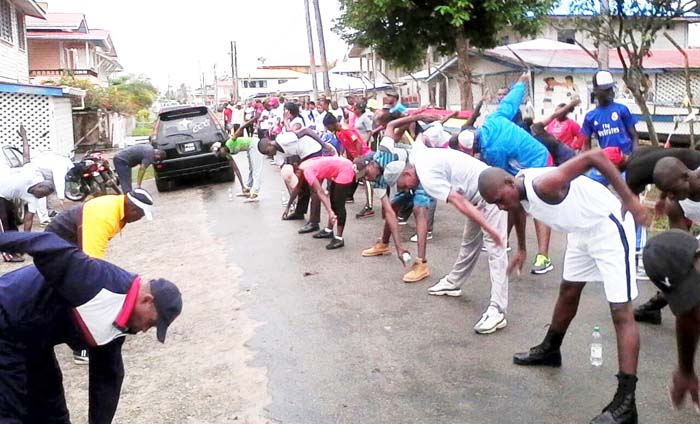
14	185
567	131
291	145
349	138
139	154
363	124
442	170
610	124
336	168
240	144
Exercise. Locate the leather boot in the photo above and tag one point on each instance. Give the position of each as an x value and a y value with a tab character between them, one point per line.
622	409
546	353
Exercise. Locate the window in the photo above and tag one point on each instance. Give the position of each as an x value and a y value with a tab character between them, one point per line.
262	84
5	20
281	81
245	84
567	36
21	40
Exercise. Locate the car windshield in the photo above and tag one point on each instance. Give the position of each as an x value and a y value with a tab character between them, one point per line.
191	123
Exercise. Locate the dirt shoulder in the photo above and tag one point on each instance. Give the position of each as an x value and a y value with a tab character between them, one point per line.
201	374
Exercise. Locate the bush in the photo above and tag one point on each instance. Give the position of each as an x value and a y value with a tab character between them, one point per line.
142	131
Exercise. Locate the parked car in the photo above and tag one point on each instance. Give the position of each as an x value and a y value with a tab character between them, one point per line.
11	157
186	133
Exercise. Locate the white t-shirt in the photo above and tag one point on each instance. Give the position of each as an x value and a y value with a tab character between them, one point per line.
363	124
248	113
238	116
319	122
53	167
265	121
14	185
294	146
442	170
338	113
298	120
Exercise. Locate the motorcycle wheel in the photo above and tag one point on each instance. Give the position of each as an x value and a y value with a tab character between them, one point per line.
74	192
111	181
97	188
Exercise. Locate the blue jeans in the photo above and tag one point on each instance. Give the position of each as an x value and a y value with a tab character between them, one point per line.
123	170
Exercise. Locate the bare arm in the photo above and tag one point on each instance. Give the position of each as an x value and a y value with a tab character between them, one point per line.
685	381
519	220
295	192
586	143
240	130
392	126
450	116
558	114
237	172
553	186
140	175
475	115
393	223
467	209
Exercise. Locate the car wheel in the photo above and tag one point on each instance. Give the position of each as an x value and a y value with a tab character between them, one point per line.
163	185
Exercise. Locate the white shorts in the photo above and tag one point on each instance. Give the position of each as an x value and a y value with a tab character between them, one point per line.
605	253
691	209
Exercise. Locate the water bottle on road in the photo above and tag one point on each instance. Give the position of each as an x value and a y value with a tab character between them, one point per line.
230	194
597	348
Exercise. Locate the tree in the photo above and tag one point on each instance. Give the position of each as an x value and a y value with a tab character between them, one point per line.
401	31
631	27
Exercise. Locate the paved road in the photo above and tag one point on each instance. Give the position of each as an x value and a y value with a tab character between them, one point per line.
351	343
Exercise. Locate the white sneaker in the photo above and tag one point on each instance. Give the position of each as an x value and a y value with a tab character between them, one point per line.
493	319
444	288
414	238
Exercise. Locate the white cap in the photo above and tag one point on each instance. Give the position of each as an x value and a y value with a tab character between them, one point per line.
436	135
603	80
143	200
466	139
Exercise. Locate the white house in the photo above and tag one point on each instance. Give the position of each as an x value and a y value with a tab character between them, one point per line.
255	81
45	112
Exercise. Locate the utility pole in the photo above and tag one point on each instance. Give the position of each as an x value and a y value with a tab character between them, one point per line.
216	89
603	44
234	71
322	49
312	55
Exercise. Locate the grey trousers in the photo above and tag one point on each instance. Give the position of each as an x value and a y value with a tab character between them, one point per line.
472	240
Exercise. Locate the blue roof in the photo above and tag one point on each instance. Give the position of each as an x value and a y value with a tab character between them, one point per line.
39	90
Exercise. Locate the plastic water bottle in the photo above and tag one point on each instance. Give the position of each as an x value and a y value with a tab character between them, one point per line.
597	348
230	194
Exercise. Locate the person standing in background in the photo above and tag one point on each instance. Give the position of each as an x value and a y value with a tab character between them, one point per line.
228	114
237	116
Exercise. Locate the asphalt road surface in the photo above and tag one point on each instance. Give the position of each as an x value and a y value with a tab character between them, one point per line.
344	340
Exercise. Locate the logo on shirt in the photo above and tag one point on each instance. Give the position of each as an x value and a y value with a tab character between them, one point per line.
614	116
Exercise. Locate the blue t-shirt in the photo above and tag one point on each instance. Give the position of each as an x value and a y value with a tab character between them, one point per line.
610	125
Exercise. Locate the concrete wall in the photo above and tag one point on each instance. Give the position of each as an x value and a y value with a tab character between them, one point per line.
13	60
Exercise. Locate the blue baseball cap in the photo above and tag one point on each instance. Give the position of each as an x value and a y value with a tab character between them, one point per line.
168	302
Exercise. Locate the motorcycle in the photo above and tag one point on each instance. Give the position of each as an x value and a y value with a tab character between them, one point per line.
90	175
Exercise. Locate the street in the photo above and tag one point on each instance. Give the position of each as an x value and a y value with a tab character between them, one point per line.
276	329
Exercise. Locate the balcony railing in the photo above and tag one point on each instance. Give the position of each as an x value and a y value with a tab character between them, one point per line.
62	72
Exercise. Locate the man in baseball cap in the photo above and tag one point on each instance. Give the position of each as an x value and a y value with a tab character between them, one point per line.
69	297
671	260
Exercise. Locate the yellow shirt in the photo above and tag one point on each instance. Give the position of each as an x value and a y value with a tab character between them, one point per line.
102	219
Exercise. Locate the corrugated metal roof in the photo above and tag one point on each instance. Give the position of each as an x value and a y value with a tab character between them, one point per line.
68	21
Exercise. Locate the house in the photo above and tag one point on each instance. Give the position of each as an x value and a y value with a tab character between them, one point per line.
64	44
434	82
44	111
255	81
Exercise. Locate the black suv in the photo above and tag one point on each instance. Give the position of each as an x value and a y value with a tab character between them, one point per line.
186	133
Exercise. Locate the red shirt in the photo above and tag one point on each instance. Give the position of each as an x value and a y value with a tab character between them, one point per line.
228	114
568	132
349	137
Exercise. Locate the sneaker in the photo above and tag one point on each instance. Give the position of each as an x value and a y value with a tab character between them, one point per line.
414	238
419	271
80	357
294	217
365	213
252	198
323	234
650	312
444	288
243	195
541	265
402	220
493	319
539	355
378	249
309	227
336	243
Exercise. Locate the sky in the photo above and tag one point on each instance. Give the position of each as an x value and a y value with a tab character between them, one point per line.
174	42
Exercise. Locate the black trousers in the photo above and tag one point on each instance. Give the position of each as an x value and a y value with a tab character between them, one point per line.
338	193
8	219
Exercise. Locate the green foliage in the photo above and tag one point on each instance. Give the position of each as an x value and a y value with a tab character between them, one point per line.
142	131
127	94
143	115
401	31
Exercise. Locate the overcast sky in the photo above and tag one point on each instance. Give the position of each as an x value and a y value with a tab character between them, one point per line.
176	41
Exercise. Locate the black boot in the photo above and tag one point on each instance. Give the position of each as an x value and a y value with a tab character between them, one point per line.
650	311
622	409
546	353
